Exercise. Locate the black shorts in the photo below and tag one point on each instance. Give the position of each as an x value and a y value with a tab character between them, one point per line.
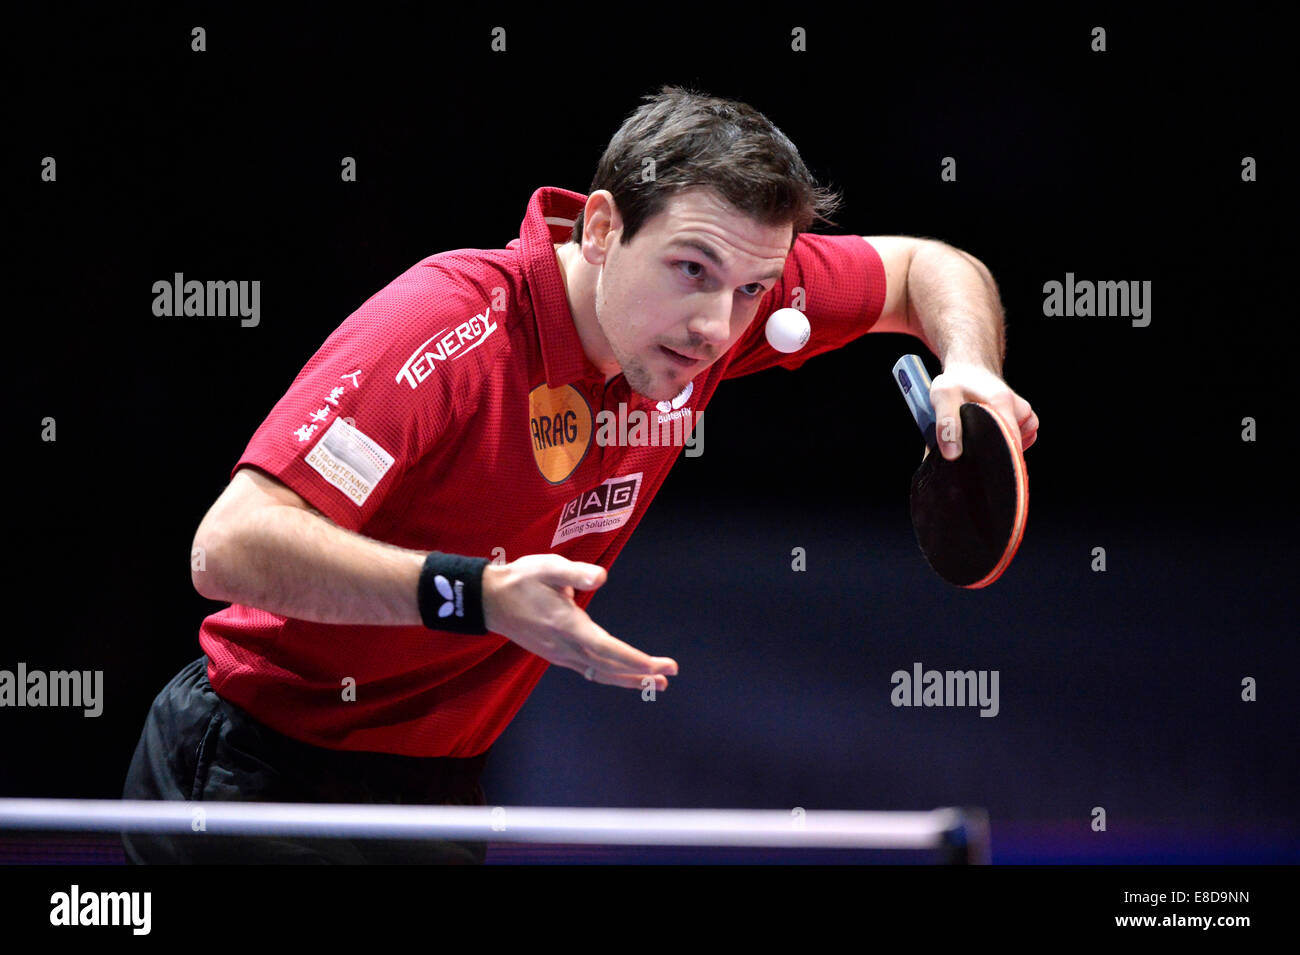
199	747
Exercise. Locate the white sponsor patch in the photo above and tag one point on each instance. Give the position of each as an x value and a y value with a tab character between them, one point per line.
605	507
350	460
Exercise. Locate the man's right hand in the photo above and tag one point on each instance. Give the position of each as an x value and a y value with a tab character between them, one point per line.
530	601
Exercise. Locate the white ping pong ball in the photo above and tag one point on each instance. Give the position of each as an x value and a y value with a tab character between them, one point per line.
788	330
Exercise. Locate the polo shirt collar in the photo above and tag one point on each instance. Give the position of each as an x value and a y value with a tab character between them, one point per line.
549	219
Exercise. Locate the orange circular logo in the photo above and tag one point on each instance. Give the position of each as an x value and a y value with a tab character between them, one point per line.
559	425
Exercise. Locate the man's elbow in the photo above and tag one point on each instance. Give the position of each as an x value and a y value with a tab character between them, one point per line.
206	560
979	267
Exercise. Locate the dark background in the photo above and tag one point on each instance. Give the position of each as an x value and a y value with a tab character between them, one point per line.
1118	689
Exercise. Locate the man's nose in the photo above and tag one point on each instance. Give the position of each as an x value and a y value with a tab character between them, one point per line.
714	324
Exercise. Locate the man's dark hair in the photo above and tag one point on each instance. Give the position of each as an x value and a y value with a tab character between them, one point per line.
700	140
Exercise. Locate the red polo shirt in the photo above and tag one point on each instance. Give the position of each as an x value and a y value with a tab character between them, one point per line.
455	410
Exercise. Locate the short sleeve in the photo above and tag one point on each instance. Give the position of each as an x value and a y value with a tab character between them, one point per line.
841	282
373	400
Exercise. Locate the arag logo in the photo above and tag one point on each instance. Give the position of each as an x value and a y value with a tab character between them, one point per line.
559	425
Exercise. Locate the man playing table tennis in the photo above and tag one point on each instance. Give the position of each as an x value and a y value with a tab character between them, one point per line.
413	533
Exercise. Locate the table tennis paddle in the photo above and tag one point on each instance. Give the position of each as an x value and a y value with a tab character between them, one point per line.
968	514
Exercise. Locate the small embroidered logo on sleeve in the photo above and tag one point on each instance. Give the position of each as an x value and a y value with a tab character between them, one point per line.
350	460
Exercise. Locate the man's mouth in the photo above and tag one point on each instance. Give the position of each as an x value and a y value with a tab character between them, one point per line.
679	358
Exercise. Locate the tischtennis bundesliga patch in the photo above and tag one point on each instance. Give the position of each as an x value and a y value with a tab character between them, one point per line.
605	507
350	460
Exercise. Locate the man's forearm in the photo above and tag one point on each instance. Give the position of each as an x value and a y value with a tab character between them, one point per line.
292	562
953	299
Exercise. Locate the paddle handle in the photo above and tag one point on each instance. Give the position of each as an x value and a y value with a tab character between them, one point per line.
914	382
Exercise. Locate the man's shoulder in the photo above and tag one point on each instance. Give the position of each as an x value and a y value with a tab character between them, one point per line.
457	273
452	316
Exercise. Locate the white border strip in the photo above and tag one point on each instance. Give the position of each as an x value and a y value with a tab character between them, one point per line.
682	827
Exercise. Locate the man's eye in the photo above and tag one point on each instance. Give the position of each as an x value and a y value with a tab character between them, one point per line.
758	290
697	265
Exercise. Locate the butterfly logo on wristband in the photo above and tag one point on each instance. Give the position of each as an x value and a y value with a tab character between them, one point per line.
444	588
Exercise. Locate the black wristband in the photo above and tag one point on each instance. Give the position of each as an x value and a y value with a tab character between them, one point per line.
450	594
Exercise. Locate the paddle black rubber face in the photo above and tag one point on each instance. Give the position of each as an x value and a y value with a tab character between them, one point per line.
964	511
